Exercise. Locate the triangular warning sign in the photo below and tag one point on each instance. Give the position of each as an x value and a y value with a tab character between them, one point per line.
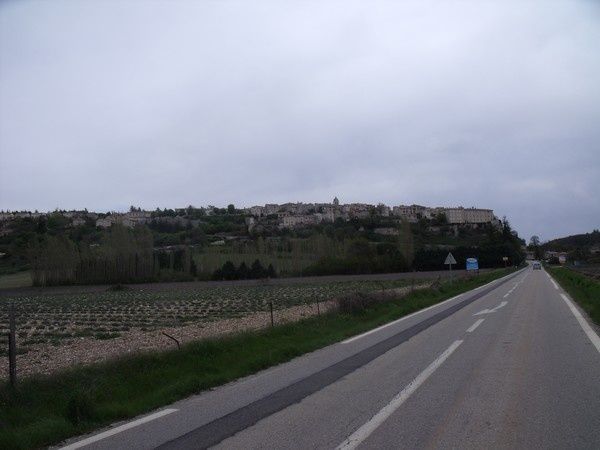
450	259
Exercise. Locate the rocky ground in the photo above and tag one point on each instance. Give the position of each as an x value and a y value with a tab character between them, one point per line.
47	358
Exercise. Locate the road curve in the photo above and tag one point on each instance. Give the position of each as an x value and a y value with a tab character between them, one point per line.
509	365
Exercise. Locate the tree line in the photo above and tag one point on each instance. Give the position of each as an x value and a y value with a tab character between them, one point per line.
122	256
229	271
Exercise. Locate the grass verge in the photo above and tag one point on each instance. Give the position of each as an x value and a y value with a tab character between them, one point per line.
46	410
583	289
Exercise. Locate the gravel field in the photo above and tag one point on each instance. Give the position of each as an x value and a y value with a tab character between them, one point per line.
57	331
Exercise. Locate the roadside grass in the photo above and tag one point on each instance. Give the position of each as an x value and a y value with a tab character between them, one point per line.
583	289
16	280
47	409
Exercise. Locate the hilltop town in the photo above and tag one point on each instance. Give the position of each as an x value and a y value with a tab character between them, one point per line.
284	216
287	239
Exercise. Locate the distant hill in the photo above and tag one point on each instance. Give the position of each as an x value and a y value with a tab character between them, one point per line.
574	242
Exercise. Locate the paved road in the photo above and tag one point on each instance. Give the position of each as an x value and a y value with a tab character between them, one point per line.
509	365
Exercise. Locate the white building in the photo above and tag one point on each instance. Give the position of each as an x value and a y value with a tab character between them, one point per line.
462	215
78	221
298	221
411	213
105	222
256	211
387	231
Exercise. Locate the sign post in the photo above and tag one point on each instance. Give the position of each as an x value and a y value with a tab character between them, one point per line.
449	261
505	259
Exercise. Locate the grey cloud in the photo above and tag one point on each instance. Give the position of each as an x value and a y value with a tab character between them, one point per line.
105	104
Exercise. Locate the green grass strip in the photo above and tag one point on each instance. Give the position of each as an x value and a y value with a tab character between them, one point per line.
583	289
47	409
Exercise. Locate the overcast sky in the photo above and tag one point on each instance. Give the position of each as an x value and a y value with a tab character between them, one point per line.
104	104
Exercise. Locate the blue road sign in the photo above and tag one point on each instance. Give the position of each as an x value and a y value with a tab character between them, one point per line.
472	264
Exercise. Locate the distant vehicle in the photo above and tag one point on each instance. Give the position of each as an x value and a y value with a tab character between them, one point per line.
537	265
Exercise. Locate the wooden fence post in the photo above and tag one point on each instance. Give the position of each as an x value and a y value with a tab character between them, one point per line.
12	346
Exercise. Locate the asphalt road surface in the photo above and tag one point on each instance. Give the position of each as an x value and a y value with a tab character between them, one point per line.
512	364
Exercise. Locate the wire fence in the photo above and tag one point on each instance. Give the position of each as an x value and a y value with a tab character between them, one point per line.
57	331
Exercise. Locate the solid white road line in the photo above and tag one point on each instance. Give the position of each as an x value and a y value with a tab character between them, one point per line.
117	430
474	326
374	330
586	326
552	280
365	431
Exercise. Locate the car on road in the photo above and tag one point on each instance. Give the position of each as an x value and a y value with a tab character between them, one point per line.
537	265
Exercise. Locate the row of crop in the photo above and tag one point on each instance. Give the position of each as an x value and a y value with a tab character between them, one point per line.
68	316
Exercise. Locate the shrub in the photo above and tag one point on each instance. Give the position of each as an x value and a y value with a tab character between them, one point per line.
80	407
358	302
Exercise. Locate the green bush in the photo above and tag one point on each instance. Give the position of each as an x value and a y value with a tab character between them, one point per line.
80	408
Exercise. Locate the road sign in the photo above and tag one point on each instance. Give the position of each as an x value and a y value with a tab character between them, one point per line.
505	258
450	259
472	264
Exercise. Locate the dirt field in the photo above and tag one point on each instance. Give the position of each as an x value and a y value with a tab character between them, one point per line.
589	271
58	330
49	353
20	291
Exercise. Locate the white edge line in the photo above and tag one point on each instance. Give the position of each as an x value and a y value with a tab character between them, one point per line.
552	280
119	429
374	330
474	326
365	430
586	327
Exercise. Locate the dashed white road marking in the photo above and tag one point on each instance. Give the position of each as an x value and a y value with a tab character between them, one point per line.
512	288
374	330
367	429
117	430
488	311
525	276
583	323
474	326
